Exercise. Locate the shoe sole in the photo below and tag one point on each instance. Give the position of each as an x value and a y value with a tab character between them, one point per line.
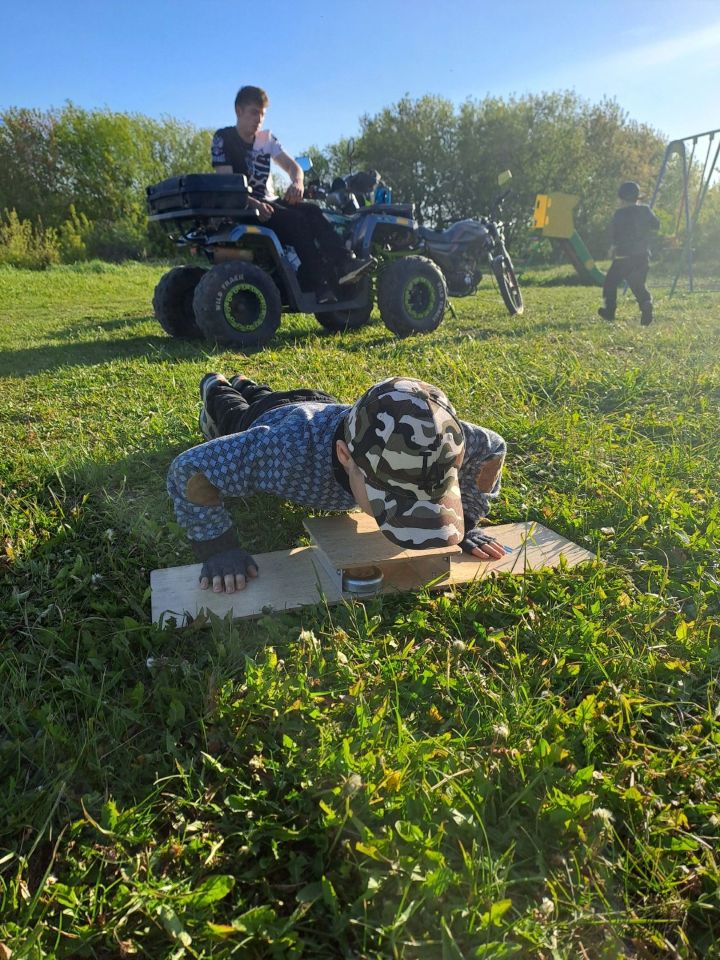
208	427
356	273
209	380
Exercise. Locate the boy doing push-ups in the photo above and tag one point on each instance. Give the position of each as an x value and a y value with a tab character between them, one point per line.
400	453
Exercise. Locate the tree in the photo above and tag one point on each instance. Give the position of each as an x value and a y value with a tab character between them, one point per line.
446	160
98	161
33	181
412	145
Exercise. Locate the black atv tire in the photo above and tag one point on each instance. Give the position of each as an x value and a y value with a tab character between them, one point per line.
338	321
238	304
412	296
173	302
508	285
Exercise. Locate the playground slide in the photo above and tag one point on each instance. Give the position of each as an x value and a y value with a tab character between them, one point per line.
577	253
553	218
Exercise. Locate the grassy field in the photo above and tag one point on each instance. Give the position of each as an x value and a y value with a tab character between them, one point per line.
524	768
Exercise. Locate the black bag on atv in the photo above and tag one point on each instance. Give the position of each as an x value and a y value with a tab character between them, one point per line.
198	194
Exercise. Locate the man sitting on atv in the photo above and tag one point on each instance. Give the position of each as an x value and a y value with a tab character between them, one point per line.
248	149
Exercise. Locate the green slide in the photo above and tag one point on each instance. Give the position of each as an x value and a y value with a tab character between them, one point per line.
553	218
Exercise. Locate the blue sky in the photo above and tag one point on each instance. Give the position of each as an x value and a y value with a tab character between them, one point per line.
325	64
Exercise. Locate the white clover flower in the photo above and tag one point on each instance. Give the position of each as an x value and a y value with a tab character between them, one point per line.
308	637
352	785
546	906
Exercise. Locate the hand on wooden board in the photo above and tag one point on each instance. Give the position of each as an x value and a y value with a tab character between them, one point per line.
228	571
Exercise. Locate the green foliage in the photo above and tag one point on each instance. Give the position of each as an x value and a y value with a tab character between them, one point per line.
73	235
23	244
446	159
525	767
99	161
117	240
60	166
84	173
708	230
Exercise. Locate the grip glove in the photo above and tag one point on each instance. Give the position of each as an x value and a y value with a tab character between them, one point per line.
489	546
228	570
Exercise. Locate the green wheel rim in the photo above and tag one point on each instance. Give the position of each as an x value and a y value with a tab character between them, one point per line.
245	307
419	298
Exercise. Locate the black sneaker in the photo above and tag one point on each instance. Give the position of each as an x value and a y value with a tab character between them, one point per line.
646	315
357	268
606	314
208	427
325	293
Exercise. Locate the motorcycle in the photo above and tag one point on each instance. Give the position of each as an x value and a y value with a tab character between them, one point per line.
461	251
466	245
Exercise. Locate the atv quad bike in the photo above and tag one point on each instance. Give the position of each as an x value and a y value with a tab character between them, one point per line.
240	298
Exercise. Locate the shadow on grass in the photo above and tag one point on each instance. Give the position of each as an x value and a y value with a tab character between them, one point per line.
30	361
89	325
565	280
468	332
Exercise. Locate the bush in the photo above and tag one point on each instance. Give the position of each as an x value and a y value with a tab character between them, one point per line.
23	244
117	241
73	235
707	236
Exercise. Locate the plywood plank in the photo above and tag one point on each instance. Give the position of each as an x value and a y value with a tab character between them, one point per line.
533	547
288	580
292	579
530	546
354	540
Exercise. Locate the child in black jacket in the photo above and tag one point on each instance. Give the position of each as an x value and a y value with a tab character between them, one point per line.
631	228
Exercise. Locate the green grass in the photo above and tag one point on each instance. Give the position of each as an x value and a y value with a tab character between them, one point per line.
523	768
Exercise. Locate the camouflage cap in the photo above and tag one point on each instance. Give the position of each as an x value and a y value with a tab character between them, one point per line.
406	438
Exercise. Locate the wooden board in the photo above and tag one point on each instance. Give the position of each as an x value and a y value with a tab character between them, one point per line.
288	580
292	579
529	546
355	540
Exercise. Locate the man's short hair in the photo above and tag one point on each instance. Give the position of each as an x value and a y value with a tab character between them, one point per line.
248	95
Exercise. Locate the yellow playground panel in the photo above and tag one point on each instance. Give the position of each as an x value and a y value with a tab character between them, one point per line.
554	218
554	214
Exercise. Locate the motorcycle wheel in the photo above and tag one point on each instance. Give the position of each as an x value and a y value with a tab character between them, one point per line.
173	302
338	321
507	284
237	303
412	296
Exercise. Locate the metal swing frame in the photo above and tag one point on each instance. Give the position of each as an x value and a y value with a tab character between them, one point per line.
684	212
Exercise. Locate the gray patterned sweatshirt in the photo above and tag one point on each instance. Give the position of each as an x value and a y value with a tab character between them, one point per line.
290	452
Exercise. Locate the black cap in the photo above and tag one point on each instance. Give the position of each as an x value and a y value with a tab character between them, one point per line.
629	191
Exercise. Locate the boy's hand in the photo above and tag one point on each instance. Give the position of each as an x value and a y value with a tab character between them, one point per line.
228	571
482	546
294	192
265	211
